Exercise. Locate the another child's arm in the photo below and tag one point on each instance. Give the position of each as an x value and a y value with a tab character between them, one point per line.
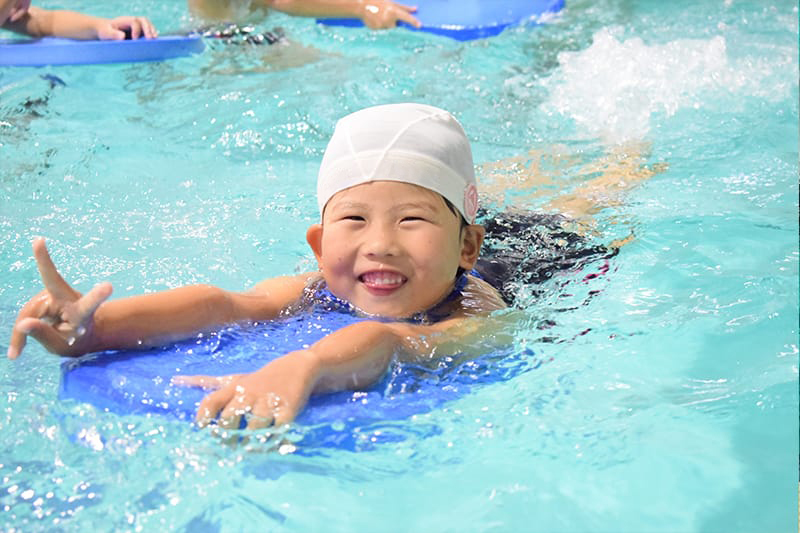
38	22
375	14
68	323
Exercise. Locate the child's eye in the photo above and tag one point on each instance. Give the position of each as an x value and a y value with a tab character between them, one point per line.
411	219
356	218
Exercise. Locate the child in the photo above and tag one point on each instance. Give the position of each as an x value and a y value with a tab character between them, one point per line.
397	240
375	14
18	16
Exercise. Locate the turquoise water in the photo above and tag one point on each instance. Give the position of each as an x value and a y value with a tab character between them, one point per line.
665	392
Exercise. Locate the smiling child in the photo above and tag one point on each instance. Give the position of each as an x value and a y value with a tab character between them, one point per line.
396	244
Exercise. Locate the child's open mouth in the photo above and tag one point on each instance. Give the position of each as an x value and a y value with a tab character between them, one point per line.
382	281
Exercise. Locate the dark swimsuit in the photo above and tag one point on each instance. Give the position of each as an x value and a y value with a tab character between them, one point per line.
242	35
523	249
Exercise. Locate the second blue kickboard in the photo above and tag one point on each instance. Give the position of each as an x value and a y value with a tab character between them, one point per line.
58	51
465	20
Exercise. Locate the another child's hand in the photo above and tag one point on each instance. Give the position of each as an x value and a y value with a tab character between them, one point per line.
115	29
382	14
270	396
19	10
59	317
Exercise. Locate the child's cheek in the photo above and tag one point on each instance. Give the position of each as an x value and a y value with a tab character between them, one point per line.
337	263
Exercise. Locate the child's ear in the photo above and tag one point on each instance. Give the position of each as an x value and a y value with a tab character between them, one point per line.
314	239
471	240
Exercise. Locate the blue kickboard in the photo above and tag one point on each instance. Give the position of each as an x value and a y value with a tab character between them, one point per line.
58	51
138	382
465	20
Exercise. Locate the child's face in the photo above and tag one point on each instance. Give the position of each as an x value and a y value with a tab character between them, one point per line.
391	248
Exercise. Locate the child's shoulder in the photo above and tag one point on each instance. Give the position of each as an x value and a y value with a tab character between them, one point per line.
290	287
478	297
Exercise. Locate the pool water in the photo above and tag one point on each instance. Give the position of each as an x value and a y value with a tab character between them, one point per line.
664	391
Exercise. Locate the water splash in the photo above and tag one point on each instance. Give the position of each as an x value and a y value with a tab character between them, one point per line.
613	89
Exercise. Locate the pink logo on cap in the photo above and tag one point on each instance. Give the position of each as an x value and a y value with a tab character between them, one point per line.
470	202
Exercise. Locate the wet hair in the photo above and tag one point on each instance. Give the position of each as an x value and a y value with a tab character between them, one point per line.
462	224
455	211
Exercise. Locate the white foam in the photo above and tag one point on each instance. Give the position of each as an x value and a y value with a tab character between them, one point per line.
613	88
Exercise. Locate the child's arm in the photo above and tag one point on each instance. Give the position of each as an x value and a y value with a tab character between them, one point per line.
39	22
68	323
353	357
376	14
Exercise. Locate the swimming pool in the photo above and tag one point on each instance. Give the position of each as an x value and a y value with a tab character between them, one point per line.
664	395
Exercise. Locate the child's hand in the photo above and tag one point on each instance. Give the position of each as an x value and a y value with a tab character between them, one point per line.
19	10
115	29
270	396
381	14
59	317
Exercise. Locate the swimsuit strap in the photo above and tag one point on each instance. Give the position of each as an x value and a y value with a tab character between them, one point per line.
322	296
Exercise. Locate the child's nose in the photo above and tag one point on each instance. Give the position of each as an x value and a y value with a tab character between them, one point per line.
380	241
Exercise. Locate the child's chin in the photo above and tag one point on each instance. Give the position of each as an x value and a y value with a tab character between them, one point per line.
388	307
387	311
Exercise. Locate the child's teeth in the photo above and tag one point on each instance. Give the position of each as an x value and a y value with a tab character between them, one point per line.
383	279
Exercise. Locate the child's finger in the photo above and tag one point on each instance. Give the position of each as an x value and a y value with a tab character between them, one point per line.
112	32
259	422
409	19
211	405
229	419
45	334
231	415
50	276
17	15
136	28
206	382
262	415
148	28
17	343
89	302
35	308
19	10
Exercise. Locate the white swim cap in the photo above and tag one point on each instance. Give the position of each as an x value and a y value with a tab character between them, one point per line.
410	143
